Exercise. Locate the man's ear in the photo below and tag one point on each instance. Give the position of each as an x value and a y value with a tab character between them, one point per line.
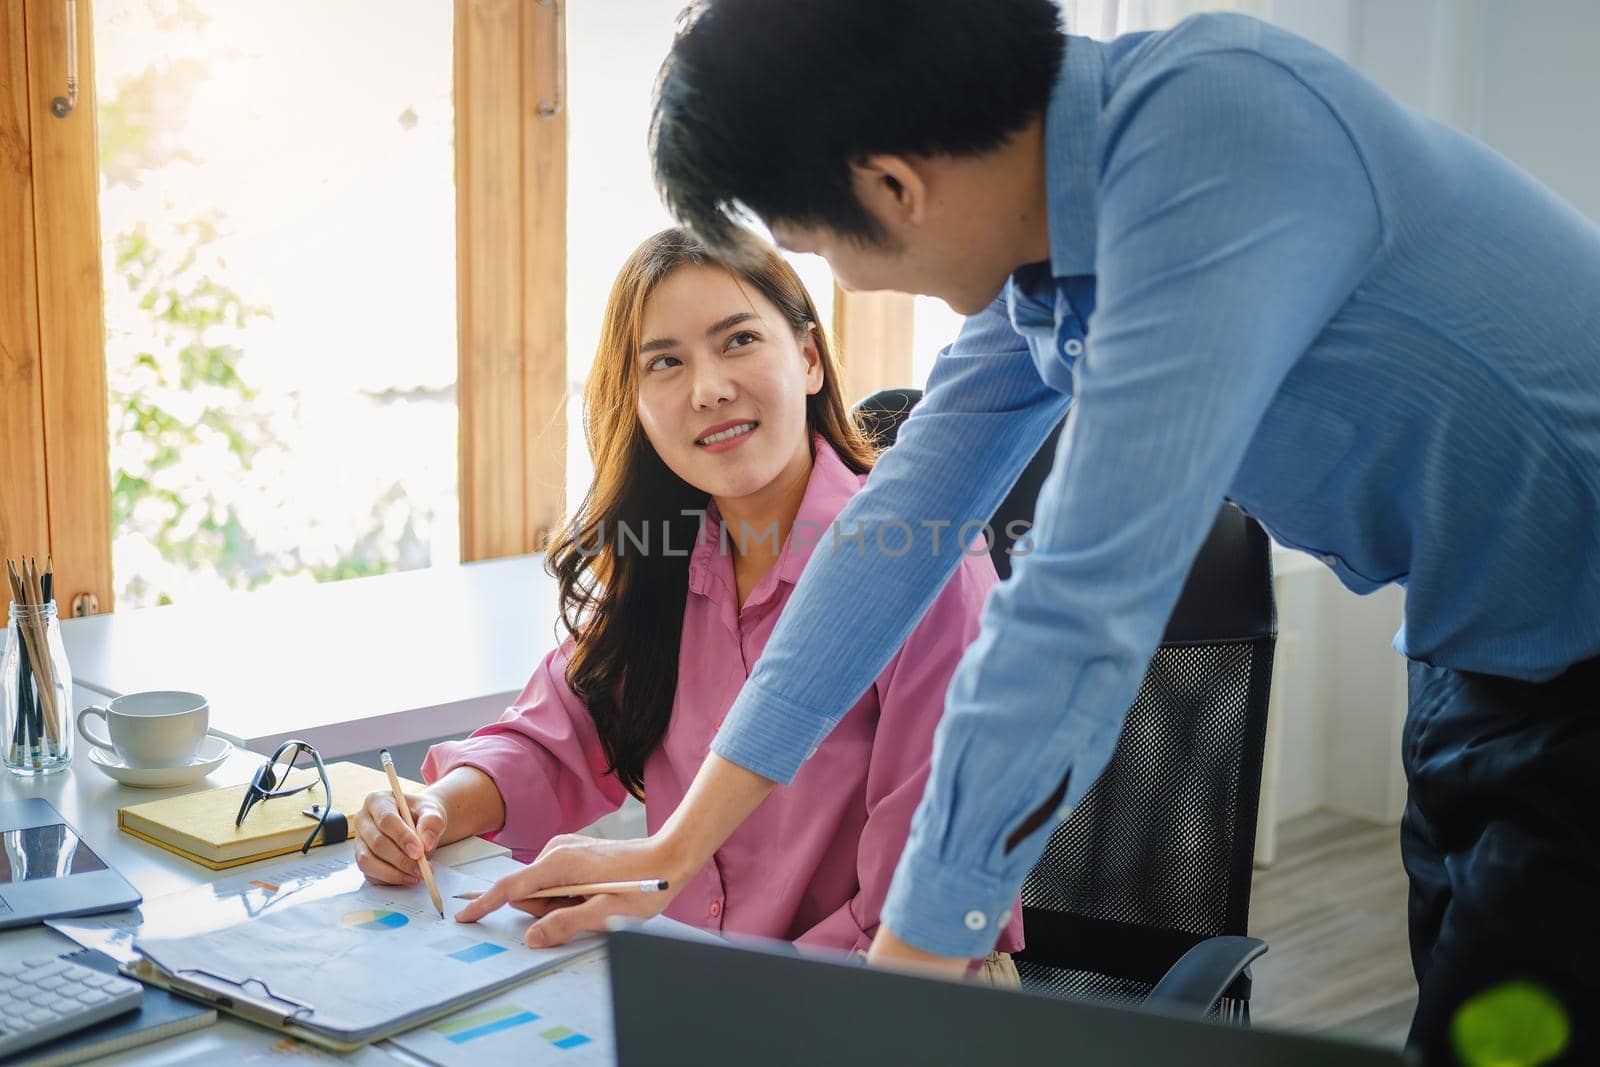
892	189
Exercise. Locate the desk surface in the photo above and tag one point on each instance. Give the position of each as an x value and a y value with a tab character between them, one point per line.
391	660
89	801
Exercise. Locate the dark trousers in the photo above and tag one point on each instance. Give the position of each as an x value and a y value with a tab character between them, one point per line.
1501	840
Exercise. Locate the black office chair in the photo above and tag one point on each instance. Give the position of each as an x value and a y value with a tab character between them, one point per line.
1144	891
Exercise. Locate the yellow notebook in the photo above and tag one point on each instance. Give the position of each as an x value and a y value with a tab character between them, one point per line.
199	826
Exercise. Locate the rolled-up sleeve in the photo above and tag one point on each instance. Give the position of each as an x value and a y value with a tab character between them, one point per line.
544	757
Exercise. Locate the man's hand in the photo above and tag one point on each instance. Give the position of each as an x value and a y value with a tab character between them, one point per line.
722	796
575	860
889	951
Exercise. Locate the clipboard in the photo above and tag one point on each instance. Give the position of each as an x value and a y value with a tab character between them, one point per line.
299	949
237	997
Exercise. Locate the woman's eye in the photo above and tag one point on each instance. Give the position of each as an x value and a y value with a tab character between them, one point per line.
661	363
742	338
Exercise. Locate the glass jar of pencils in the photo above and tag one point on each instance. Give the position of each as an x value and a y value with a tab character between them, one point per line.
35	692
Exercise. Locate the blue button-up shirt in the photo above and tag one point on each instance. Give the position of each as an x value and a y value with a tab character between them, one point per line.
1268	282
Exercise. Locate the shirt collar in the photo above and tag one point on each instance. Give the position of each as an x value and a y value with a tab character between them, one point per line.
1071	122
830	487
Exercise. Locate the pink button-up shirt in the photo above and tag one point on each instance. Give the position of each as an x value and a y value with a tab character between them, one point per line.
813	863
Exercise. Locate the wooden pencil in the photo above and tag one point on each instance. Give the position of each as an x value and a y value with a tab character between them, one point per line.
25	589
27	726
588	889
405	813
43	666
22	728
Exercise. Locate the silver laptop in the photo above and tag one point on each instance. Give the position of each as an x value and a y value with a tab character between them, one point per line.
47	871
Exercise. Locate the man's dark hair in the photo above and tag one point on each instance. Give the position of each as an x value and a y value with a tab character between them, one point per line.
762	104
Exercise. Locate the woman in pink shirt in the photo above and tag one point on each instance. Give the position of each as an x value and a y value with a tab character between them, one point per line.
723	452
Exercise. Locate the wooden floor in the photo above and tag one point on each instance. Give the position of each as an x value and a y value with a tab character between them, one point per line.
1332	912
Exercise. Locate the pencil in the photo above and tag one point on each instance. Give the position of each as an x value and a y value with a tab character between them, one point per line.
590	889
405	813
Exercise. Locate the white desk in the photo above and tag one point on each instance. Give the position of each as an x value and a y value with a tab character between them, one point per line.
393	660
89	801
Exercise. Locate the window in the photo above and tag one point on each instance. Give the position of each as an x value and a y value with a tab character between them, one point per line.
614	51
934	326
278	222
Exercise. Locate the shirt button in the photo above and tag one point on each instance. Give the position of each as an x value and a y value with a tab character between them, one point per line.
976	920
1330	559
1072	346
716	909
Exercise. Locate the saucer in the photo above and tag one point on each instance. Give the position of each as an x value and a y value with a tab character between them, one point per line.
213	751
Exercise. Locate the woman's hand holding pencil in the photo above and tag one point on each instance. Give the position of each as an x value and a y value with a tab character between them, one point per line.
388	851
404	807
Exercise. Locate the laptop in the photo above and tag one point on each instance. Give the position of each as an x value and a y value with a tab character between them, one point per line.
47	871
683	1001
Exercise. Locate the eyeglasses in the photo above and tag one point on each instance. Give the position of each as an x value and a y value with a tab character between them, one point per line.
272	781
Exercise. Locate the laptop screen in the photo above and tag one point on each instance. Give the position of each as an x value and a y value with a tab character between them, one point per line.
41	852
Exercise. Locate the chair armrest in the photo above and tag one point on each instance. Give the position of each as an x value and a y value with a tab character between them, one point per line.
1203	974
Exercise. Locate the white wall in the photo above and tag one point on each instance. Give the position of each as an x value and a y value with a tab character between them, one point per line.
1338	698
1541	94
1523	77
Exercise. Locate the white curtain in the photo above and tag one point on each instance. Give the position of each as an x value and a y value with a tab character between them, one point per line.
1108	18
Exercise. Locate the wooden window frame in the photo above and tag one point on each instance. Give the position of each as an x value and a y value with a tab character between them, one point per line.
511	263
874	333
511	185
55	480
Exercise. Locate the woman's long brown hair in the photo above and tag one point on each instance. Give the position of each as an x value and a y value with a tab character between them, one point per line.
623	605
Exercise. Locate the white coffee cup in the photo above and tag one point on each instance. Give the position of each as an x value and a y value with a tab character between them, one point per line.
160	728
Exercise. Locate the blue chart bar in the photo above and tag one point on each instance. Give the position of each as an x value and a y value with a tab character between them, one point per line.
571	1042
461	1037
473	953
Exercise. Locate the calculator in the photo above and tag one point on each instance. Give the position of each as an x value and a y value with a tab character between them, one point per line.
46	997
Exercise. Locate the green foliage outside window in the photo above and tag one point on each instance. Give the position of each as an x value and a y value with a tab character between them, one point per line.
205	496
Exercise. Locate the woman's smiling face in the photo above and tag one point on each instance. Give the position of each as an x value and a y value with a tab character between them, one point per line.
723	381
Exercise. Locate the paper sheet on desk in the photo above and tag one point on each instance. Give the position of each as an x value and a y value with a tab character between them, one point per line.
242	895
362	955
563	1017
220	904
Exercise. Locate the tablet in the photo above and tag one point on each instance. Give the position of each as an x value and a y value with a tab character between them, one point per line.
47	871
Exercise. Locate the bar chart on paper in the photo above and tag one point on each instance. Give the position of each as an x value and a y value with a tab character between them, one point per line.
466	949
562	1017
320	940
374	919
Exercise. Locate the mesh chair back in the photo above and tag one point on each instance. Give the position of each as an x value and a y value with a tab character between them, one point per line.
1157	856
881	414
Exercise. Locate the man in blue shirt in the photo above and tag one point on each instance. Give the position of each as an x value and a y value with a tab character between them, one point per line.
1242	272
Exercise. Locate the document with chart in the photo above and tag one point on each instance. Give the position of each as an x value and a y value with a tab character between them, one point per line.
315	948
563	1017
